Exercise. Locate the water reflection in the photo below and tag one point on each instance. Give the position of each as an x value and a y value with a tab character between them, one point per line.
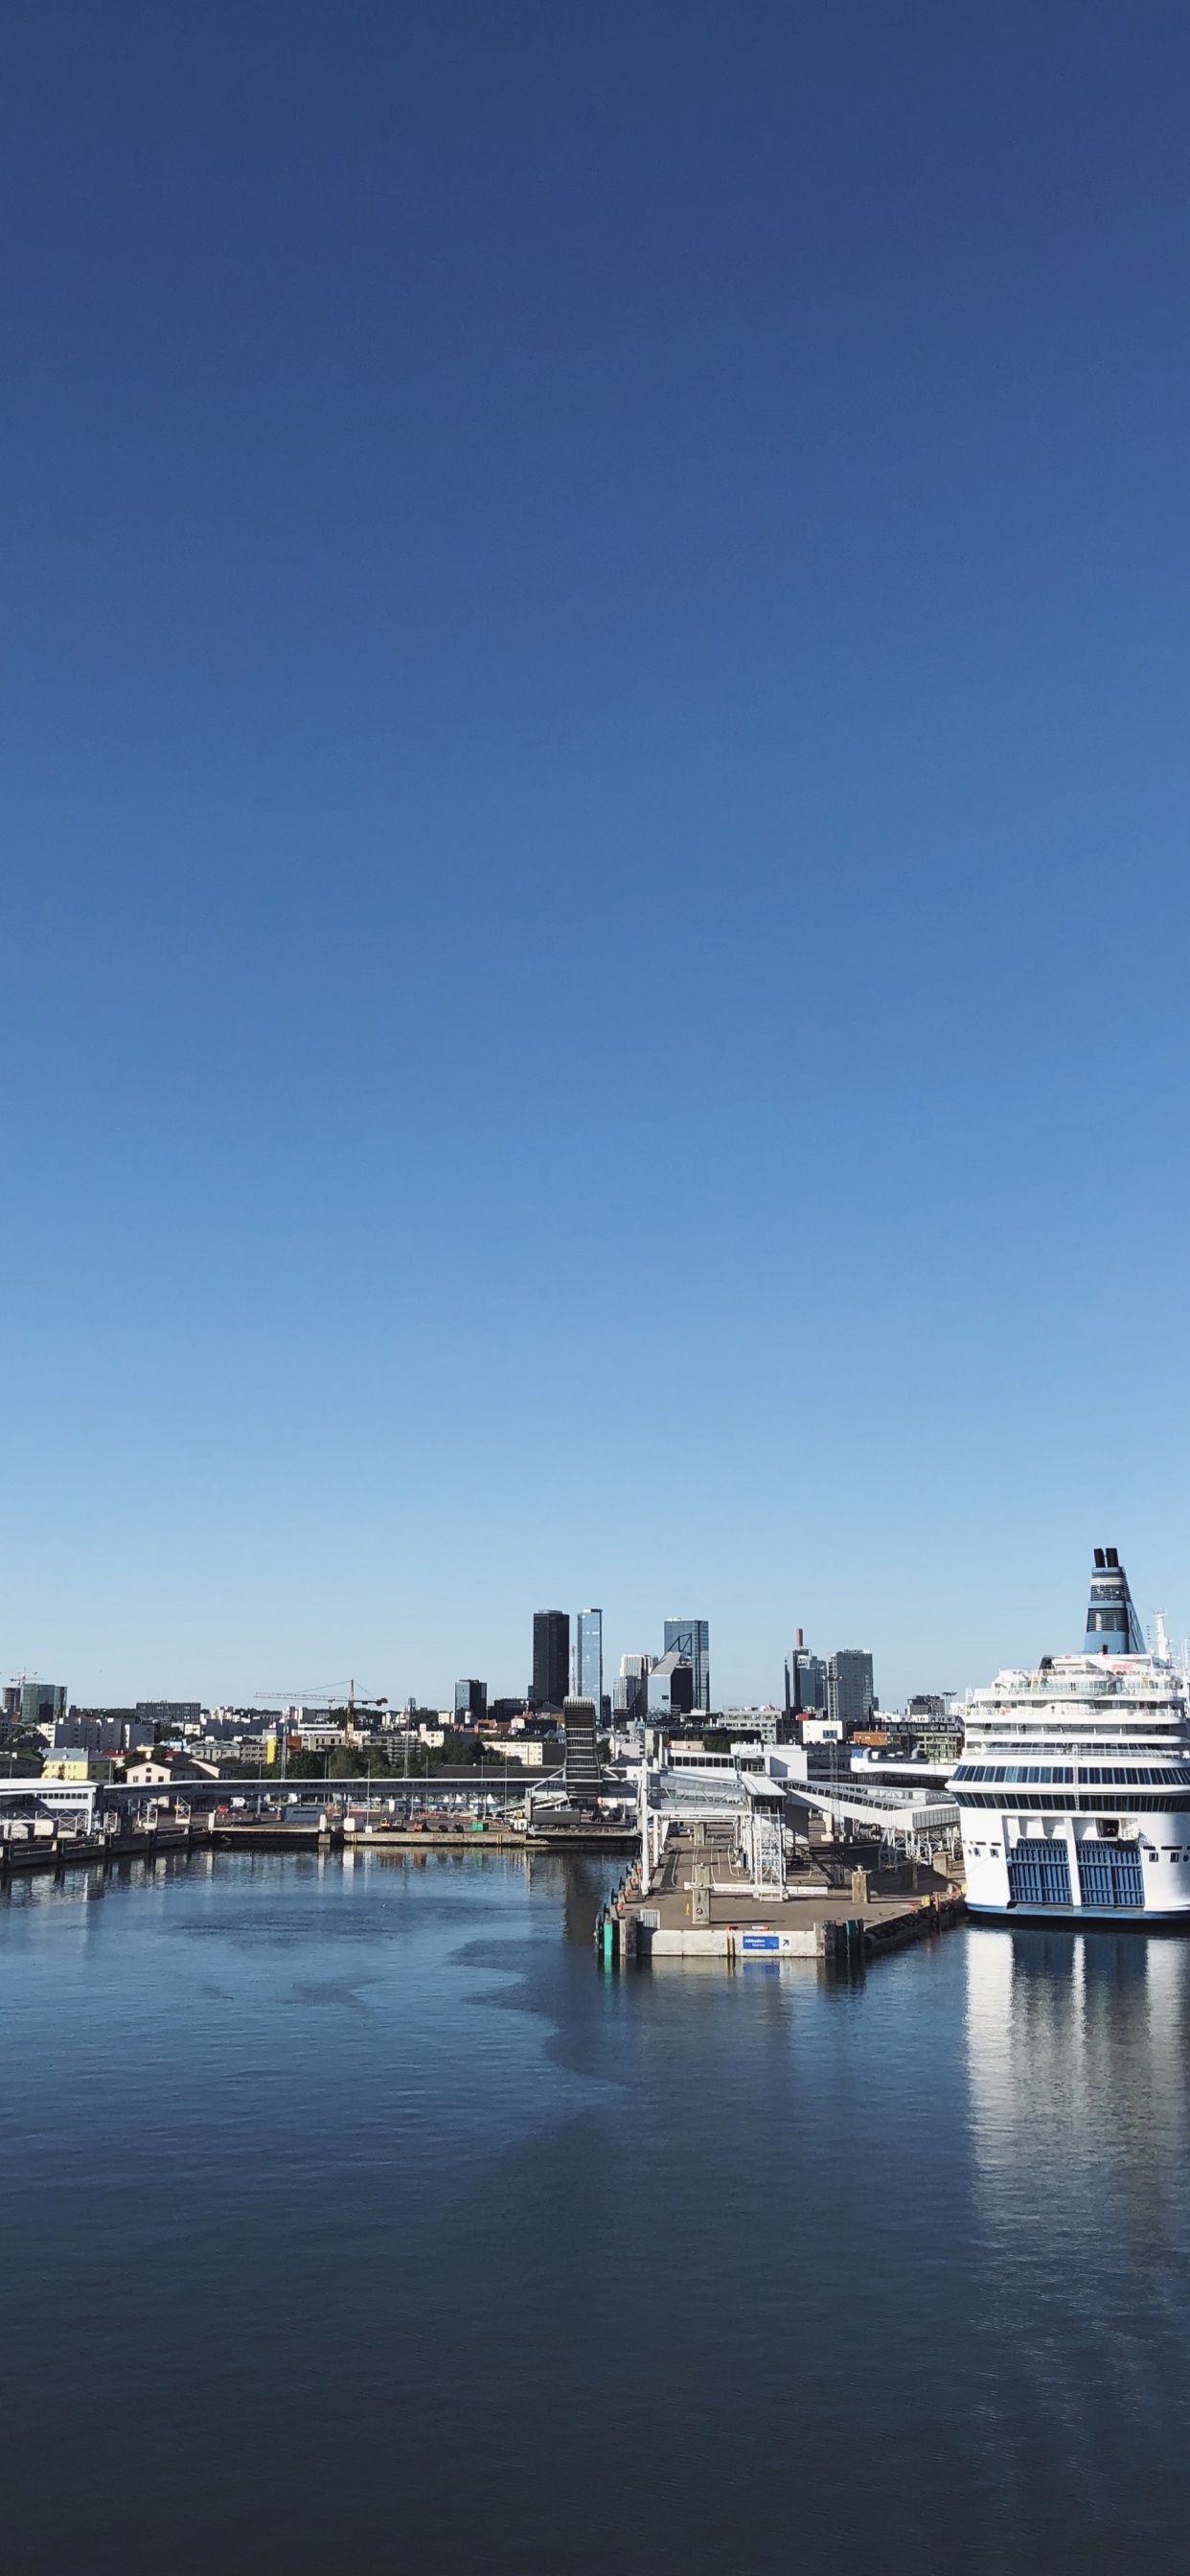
1076	2049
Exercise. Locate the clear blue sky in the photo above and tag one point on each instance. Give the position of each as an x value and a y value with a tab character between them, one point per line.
594	804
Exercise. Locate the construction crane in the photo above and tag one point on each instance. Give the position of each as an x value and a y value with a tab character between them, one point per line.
336	1697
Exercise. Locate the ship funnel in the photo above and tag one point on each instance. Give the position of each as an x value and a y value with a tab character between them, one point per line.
1112	1624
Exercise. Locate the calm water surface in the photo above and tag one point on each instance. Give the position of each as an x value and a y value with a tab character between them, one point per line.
350	2216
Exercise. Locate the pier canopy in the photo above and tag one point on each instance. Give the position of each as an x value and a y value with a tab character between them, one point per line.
900	1815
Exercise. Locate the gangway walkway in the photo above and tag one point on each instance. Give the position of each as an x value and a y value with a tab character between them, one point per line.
915	1820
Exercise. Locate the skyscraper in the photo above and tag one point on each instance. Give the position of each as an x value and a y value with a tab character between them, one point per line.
630	1695
670	1687
471	1702
691	1638
551	1658
805	1680
588	1656
849	1697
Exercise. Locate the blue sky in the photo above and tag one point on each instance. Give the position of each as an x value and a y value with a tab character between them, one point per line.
593	806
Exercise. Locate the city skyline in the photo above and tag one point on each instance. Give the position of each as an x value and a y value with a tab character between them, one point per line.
894	1687
594	629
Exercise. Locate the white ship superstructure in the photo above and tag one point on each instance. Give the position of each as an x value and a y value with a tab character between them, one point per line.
1074	1785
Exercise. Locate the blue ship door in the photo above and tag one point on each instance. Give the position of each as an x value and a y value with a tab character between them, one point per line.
1110	1874
1039	1873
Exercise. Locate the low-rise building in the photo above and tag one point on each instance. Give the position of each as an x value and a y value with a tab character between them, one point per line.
153	1773
75	1762
822	1730
759	1723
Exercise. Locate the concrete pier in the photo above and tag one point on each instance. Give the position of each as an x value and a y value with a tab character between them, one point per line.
701	1905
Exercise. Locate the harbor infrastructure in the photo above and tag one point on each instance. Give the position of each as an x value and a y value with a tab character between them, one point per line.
921	1823
913	1817
727	1867
74	1824
703	1900
758	1805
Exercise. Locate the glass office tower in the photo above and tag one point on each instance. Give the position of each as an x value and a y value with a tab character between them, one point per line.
692	1639
588	1657
850	1695
551	1658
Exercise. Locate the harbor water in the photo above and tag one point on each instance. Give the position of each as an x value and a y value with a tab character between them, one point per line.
351	2214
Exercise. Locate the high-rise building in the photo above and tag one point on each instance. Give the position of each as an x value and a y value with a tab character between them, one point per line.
471	1702
588	1656
670	1687
805	1680
691	1638
33	1703
551	1658
849	1694
630	1694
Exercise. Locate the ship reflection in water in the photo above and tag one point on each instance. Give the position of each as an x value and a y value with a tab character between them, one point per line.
1077	2057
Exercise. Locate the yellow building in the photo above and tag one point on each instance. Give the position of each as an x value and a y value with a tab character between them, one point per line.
73	1762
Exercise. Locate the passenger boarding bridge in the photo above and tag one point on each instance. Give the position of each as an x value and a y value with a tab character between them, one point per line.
913	1822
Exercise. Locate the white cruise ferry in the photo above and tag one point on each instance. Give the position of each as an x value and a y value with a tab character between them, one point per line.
1074	1783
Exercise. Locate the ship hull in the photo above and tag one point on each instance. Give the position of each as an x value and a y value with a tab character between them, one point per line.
1087	1918
1072	1871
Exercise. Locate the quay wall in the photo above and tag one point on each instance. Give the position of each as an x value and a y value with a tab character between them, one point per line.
842	1938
